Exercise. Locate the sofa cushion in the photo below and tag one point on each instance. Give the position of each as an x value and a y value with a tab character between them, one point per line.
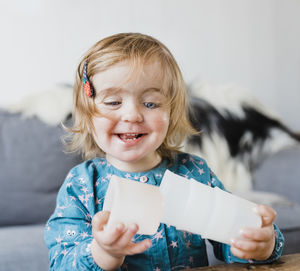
280	175
32	168
23	248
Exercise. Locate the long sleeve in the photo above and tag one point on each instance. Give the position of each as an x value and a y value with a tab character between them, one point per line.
68	233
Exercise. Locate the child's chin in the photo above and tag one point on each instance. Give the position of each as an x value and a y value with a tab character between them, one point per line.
133	159
129	158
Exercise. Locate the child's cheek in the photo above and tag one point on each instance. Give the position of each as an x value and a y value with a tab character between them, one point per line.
161	121
166	117
162	117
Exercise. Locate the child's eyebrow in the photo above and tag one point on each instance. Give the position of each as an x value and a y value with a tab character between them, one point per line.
151	90
110	90
113	90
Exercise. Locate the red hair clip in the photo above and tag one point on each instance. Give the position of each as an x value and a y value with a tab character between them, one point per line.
87	86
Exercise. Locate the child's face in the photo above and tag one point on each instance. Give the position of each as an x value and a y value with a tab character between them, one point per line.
134	115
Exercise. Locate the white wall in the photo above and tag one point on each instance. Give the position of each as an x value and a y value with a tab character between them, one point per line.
253	43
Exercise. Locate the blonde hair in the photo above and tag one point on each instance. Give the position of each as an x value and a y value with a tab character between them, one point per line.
138	49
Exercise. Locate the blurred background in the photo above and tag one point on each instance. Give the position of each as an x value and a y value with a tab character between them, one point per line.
252	43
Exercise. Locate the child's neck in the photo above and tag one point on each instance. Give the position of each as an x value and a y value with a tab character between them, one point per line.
135	166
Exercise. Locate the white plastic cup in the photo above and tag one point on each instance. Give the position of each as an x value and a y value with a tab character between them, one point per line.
175	191
186	204
230	214
211	212
133	202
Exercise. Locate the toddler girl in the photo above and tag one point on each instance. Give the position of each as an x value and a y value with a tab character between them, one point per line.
130	119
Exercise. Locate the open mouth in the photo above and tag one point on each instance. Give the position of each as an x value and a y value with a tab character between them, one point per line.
129	137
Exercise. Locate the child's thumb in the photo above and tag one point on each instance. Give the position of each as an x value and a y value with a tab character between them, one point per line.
267	214
99	220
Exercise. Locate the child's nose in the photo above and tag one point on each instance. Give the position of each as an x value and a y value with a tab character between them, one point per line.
132	113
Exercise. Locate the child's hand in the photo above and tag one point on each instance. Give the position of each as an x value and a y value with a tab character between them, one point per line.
259	243
110	246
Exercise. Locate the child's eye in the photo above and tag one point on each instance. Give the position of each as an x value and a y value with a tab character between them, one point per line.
151	105
112	103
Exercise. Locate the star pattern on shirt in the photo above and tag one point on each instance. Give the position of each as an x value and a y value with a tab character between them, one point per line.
84	235
70	175
84	189
108	176
102	180
98	201
82	180
201	171
158	175
85	198
174	244
58	240
188	243
158	235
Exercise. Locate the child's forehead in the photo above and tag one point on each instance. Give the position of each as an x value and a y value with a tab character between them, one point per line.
147	75
134	67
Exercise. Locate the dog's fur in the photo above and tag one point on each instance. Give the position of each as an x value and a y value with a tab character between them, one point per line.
52	106
237	133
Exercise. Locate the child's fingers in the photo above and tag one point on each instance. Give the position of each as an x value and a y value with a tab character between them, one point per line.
99	220
238	253
260	235
109	235
242	254
247	246
267	213
139	247
127	236
249	249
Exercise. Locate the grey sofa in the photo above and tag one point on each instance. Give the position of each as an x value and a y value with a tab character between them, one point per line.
33	166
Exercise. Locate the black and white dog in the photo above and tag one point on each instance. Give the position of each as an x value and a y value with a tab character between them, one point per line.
237	133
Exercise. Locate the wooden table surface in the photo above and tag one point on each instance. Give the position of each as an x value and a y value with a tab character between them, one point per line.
285	263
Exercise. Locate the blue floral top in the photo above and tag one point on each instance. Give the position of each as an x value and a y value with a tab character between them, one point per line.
68	233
